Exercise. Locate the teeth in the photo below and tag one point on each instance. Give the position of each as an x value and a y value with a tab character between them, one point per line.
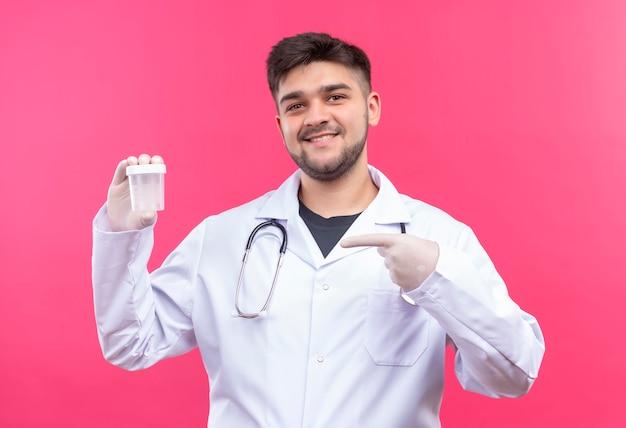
320	139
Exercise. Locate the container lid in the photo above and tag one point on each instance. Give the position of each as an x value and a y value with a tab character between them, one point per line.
150	168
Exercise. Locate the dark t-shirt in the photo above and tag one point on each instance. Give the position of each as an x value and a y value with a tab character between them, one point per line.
326	231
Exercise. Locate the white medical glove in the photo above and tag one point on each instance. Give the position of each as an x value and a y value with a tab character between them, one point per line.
409	259
121	216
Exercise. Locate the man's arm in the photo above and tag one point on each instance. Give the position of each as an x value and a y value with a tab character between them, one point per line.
499	346
138	321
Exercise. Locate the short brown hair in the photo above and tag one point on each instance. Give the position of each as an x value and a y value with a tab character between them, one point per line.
306	48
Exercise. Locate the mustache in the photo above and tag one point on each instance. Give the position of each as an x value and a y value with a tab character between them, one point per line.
319	129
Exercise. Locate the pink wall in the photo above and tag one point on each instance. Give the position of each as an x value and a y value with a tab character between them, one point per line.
509	115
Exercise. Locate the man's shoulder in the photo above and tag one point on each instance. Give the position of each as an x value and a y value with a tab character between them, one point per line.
248	208
421	212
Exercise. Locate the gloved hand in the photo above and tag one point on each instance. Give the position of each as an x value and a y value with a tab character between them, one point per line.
408	258
121	216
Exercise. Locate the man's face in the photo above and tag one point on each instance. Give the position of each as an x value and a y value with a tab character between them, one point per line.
323	116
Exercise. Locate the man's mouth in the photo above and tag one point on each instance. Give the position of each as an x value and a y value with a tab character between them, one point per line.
320	138
320	134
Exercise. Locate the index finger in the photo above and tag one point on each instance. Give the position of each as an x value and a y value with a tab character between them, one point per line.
369	240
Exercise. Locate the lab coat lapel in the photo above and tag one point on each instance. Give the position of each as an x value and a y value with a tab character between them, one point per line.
302	243
283	205
383	215
364	224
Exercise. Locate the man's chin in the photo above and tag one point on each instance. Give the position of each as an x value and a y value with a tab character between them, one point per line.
324	172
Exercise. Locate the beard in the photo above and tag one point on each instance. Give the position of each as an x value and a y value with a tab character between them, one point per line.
334	169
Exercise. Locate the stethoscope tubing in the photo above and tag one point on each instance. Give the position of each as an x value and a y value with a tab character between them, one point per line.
283	249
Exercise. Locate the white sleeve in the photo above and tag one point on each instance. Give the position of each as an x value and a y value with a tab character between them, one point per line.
499	346
140	320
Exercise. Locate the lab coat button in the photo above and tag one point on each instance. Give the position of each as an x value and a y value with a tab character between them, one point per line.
325	286
320	359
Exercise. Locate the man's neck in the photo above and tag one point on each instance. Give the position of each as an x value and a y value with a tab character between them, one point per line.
347	196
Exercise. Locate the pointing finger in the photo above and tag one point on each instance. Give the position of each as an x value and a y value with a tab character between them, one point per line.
369	240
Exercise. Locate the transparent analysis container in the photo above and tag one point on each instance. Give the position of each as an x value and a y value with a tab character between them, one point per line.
147	186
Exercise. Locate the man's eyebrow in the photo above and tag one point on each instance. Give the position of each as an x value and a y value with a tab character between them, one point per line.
291	96
334	87
322	90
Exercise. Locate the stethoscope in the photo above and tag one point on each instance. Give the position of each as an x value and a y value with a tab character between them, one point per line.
283	249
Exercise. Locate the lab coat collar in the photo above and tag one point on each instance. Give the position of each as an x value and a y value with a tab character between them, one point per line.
282	204
384	214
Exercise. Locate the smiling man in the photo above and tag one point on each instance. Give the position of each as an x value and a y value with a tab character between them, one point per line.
349	291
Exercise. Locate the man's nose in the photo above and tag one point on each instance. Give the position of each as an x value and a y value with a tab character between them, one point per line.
317	113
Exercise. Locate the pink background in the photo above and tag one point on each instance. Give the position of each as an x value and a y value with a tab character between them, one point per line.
509	115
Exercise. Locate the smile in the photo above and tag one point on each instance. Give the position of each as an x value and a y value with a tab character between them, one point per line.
321	138
320	133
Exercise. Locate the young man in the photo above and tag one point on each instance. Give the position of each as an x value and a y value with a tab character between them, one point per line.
350	328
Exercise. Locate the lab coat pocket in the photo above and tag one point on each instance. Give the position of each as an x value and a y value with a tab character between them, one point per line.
396	333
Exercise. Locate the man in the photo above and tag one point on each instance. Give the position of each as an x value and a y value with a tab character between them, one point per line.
350	328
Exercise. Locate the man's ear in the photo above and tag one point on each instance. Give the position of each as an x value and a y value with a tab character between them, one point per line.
282	135
373	108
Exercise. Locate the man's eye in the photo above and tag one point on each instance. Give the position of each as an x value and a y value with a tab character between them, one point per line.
294	106
335	97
